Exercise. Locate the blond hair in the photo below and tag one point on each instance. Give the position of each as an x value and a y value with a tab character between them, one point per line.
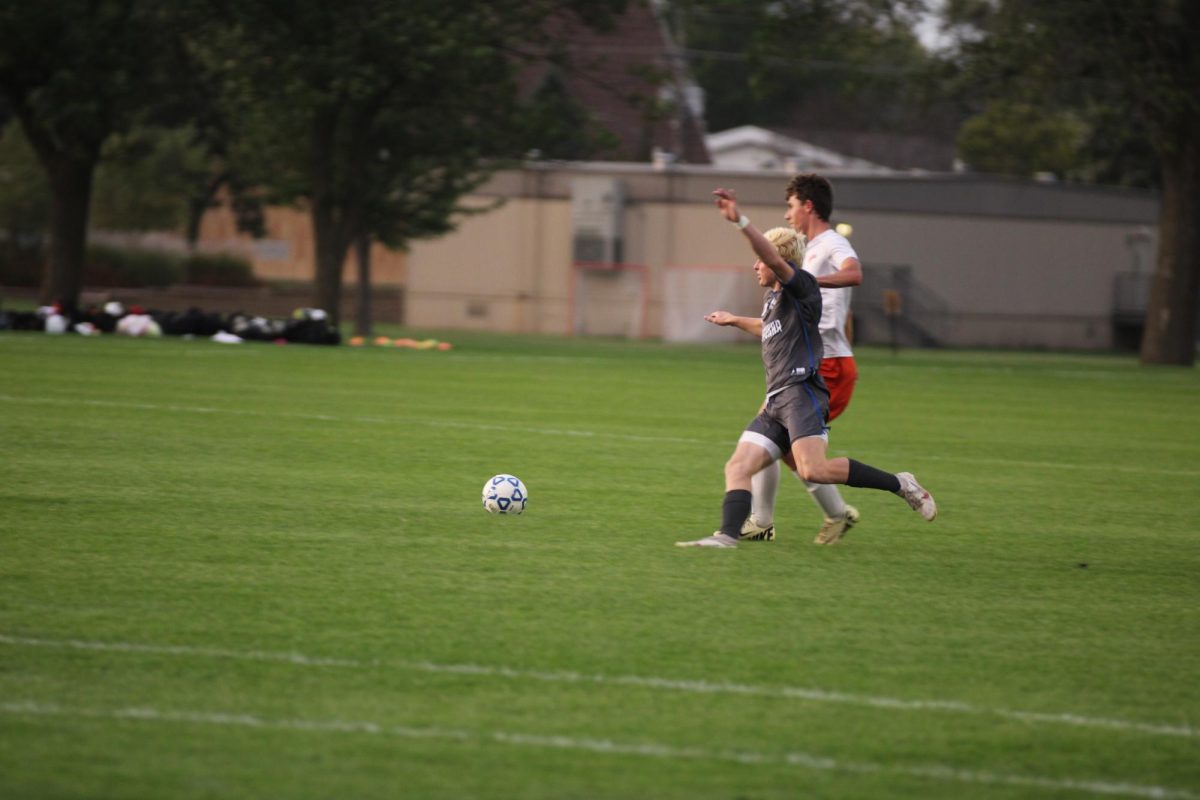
789	243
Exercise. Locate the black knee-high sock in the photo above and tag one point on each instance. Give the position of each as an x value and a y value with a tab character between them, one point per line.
864	476
734	511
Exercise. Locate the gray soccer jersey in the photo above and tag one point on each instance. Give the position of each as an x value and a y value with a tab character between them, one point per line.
791	340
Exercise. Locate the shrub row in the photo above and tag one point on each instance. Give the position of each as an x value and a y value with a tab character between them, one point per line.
119	267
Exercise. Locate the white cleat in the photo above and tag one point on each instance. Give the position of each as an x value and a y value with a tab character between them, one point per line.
718	539
916	496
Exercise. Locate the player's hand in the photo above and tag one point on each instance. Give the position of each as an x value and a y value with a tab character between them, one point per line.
719	318
726	200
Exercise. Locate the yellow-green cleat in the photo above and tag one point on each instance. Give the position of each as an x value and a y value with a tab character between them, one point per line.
832	530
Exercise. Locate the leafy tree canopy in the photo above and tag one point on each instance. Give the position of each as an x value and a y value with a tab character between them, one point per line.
775	64
24	196
75	72
1127	73
1012	138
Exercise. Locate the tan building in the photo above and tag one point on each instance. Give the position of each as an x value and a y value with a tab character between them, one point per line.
630	250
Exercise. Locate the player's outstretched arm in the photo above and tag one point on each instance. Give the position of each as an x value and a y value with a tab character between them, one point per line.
751	325
726	200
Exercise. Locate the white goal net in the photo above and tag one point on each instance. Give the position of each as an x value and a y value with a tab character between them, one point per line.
691	292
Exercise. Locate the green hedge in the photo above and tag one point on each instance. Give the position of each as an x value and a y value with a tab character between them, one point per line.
218	269
20	266
128	268
121	267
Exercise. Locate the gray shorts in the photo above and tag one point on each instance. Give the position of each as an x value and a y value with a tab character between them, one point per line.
795	412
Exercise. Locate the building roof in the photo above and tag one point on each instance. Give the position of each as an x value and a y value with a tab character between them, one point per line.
931	151
752	147
622	78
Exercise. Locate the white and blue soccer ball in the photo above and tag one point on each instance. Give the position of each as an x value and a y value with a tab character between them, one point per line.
505	494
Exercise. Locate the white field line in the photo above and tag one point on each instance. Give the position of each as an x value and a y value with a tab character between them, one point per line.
935	772
639	681
432	423
542	431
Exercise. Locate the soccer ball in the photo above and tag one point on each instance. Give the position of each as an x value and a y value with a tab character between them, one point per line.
505	494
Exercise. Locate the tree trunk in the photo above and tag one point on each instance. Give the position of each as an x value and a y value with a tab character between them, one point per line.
331	249
71	189
197	206
362	322
1170	333
330	241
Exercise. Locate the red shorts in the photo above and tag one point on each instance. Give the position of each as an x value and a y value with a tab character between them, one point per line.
840	375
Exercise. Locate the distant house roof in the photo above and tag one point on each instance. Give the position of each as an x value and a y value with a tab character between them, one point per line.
621	78
752	147
932	151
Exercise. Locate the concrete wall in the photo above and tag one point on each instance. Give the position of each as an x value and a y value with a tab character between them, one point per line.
1004	262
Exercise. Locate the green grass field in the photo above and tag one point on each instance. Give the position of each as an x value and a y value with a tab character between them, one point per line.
256	571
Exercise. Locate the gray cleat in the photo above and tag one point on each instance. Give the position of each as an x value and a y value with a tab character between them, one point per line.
718	539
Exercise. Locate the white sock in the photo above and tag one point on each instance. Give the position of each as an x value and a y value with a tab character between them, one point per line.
828	498
763	488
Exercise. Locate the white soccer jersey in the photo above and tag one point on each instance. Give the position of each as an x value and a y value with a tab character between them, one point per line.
824	255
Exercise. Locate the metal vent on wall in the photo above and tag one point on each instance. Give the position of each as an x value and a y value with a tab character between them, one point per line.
597	220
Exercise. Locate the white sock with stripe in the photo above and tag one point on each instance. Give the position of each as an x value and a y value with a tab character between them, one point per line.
764	486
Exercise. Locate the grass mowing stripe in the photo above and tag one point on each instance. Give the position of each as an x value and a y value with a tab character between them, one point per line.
936	772
424	422
641	681
626	437
1068	465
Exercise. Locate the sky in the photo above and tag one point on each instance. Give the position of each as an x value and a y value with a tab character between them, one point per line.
927	27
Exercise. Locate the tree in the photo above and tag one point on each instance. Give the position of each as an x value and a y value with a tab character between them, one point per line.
804	62
74	72
560	125
1013	138
1132	73
379	116
166	178
144	178
24	207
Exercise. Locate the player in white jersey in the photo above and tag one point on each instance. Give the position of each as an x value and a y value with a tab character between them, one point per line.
831	259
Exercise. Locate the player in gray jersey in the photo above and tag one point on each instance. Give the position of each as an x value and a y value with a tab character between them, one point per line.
830	258
793	417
